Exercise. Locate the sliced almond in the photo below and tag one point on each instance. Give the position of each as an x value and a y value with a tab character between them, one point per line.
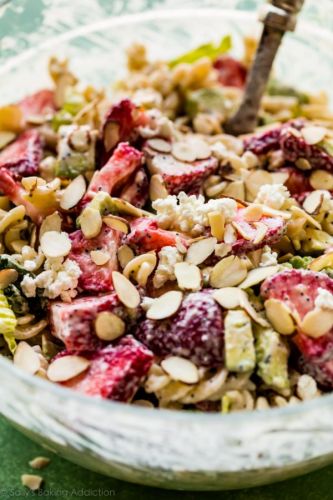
254	181
261	232
39	462
50	223
157	189
216	189
313	202
228	297
181	369
159	145
143	273
126	291
109	326
26	358
299	212
256	276
279	316
230	235
54	244
125	254
229	272
91	222
183	151
244	231
321	262
67	367
7	276
253	213
188	276
317	322
134	264
117	223
313	135
31	183
235	189
73	193
6	138
165	306
321	179
247	306
200	147
200	250
31	481
272	212
279	177
99	257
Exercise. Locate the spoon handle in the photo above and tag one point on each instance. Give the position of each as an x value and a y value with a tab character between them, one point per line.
278	17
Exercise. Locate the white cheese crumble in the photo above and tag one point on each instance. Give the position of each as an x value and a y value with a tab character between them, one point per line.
157	125
324	299
273	195
168	257
268	258
189	214
59	279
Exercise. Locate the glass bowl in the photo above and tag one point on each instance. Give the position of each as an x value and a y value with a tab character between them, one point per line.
163	448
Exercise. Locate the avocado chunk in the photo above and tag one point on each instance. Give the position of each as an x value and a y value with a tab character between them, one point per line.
205	101
76	151
239	342
272	359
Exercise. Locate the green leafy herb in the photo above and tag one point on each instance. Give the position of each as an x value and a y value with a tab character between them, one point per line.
17	302
207	50
276	88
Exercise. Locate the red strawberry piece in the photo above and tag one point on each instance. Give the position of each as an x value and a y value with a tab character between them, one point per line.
263	143
231	73
145	236
136	190
73	323
294	147
13	189
116	372
95	279
297	288
275	229
23	156
122	164
297	182
40	103
315	358
195	332
180	176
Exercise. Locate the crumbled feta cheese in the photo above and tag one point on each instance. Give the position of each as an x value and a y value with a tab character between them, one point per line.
189	214
165	271
324	299
268	258
58	279
273	195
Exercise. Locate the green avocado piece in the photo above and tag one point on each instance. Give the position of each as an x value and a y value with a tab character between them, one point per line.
239	342
204	101
276	88
72	162
299	262
272	359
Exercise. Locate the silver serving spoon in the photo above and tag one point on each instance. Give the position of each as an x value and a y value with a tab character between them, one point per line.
278	17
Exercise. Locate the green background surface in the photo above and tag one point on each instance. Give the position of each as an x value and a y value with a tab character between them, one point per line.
64	480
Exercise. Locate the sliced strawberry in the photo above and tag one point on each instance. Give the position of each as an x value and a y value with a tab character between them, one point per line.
122	164
145	235
264	142
316	358
276	227
297	288
136	190
116	372
39	103
180	176
231	73
195	332
73	323
95	279
13	189
23	156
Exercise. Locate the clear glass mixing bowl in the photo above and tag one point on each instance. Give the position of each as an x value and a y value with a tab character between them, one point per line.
162	448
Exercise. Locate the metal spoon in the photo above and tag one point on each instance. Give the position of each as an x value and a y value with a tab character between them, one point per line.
278	17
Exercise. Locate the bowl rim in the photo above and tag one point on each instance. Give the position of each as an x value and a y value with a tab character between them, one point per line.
162	413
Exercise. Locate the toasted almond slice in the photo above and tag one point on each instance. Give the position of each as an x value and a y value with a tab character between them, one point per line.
157	189
230	271
272	212
67	367
7	276
235	189
31	481
247	235
301	213
117	223
54	244
125	254
217	222
279	316
188	276
313	202
279	177
99	257
159	145
303	164
317	322
229	234
254	181
26	358
200	147
321	262
165	306
258	275
200	250
183	151
91	222
181	369
222	249
134	264
39	462
109	326
143	273
321	179
73	193
216	189
126	291
6	138
228	297
261	232
253	213
50	223
312	134
247	306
